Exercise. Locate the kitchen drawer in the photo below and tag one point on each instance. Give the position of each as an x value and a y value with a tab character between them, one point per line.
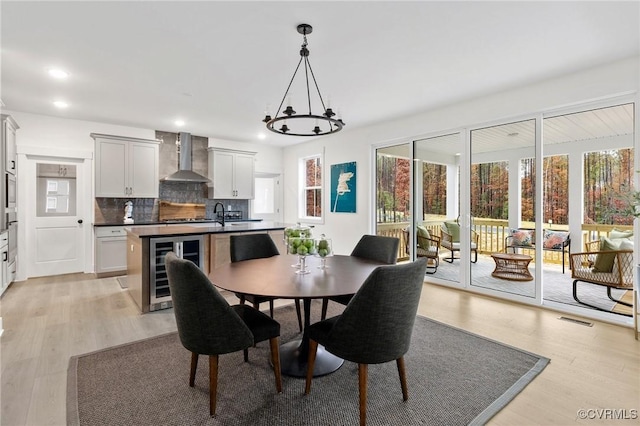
111	251
110	231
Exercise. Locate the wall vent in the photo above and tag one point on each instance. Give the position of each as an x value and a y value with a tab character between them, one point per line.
577	321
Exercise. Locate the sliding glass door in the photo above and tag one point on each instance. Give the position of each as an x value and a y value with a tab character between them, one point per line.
393	194
500	209
503	208
437	205
589	175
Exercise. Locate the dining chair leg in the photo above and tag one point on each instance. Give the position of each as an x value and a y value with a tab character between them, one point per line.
194	366
271	308
299	314
362	382
402	372
213	383
313	348
245	352
275	360
325	305
242	299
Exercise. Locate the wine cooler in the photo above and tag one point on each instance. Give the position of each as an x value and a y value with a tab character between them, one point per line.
190	248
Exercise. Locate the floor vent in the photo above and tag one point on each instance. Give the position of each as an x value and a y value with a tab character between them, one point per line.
577	321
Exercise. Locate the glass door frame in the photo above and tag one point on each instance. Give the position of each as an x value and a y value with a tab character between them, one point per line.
465	188
538	254
612	101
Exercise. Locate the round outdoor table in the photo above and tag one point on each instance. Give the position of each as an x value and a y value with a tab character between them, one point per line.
274	277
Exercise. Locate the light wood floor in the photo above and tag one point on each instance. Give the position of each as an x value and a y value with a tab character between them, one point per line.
48	320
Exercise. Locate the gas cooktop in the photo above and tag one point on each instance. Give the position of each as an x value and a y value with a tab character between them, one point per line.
188	220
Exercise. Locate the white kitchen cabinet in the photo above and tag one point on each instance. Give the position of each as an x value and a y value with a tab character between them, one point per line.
126	167
4	261
9	128
231	173
111	250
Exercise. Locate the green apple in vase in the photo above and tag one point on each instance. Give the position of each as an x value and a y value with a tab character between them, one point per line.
323	247
302	247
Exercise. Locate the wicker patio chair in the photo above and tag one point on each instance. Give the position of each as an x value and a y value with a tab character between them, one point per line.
452	243
428	247
620	276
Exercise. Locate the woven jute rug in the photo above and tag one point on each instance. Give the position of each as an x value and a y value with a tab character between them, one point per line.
454	378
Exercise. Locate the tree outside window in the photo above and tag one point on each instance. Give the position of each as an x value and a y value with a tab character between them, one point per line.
312	187
608	179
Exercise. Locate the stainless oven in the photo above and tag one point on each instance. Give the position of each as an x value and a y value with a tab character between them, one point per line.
10	186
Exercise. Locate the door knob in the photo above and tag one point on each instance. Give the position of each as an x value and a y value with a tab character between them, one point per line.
79	220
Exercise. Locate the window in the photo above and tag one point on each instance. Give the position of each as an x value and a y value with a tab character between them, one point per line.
56	190
311	184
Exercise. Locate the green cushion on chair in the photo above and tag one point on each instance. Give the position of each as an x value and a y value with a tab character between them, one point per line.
453	229
423	232
604	261
615	234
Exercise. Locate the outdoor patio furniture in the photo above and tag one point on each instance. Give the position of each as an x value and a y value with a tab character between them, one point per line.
451	240
609	268
428	246
512	267
554	240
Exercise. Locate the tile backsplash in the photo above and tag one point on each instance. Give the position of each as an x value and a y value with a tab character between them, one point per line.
111	210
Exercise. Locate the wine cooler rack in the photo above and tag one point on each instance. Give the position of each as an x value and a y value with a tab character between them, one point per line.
190	248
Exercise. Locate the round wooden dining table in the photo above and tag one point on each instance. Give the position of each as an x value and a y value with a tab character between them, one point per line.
275	277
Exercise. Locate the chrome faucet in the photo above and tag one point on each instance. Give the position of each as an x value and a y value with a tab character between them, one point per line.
215	211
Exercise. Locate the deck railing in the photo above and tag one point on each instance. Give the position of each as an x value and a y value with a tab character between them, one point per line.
492	234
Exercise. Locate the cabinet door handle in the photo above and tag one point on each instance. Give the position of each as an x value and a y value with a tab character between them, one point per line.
5	256
13	165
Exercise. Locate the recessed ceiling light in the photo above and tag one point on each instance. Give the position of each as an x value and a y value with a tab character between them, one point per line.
61	104
262	136
58	73
179	123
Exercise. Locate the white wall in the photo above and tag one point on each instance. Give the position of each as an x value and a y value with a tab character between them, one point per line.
45	131
622	77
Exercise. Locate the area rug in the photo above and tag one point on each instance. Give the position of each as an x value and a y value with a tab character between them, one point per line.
454	378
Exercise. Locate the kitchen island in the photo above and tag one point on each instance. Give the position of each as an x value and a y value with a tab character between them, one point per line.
206	244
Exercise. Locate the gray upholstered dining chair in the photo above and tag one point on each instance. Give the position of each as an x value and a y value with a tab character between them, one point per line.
374	247
390	295
207	325
256	246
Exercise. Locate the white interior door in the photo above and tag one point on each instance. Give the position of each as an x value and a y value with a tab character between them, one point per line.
55	214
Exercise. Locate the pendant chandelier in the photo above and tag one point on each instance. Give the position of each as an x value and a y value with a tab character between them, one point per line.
304	124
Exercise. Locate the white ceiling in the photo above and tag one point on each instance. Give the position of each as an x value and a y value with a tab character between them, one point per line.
216	65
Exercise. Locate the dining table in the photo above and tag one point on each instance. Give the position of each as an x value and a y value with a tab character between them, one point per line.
278	277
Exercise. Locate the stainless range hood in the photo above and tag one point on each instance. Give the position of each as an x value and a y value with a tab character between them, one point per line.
184	173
